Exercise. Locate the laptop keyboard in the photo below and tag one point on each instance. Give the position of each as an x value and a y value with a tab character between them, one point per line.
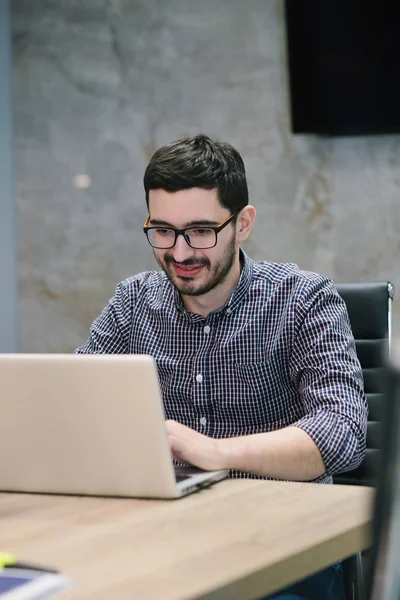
181	478
182	473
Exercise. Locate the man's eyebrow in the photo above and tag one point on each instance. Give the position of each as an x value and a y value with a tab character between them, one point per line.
189	224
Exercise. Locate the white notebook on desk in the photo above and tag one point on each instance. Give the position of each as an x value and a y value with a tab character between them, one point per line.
26	584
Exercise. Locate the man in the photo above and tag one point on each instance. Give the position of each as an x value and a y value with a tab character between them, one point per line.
256	360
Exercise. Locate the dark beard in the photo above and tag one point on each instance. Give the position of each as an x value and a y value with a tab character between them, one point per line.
218	274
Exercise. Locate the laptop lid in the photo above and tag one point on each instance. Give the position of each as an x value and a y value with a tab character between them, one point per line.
83	424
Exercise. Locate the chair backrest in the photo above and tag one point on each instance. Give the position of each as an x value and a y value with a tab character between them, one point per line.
370	308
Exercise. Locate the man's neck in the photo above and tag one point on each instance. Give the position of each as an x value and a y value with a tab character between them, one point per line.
217	297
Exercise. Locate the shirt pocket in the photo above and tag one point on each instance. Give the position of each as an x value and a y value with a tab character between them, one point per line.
252	396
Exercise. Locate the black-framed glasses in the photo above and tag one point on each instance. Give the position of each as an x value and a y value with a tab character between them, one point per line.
197	236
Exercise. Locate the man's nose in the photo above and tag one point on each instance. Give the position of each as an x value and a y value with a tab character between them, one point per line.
182	251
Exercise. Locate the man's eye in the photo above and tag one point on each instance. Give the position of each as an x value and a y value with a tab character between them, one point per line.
201	231
163	231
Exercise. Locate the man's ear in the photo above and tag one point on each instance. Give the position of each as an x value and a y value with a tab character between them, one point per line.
245	222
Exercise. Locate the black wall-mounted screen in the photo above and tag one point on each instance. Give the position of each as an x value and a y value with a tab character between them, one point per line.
344	66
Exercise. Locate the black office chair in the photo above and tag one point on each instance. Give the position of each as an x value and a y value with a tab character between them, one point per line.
370	310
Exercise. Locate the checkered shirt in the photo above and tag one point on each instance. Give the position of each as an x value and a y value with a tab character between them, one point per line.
280	352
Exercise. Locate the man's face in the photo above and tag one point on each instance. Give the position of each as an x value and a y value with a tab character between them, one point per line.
192	271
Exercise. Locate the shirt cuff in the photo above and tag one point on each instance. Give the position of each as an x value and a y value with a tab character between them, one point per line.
338	444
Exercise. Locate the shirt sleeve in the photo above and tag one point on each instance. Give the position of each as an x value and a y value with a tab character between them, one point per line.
328	375
109	333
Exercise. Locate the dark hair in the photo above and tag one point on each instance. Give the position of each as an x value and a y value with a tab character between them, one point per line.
200	162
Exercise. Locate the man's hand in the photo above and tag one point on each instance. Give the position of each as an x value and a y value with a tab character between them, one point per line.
190	447
288	453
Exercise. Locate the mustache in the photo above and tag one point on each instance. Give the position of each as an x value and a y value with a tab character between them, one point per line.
189	262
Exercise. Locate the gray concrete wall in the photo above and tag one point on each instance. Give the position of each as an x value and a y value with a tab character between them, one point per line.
8	261
98	86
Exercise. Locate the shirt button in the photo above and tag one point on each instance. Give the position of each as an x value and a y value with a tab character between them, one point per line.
228	311
199	377
203	421
207	329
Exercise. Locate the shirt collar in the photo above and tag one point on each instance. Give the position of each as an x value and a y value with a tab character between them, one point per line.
235	298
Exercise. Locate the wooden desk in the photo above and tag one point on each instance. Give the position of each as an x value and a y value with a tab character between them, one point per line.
238	539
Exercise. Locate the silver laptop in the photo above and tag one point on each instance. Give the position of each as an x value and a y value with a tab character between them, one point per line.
88	424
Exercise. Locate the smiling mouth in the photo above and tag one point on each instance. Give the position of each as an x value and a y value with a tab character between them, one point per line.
187	270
